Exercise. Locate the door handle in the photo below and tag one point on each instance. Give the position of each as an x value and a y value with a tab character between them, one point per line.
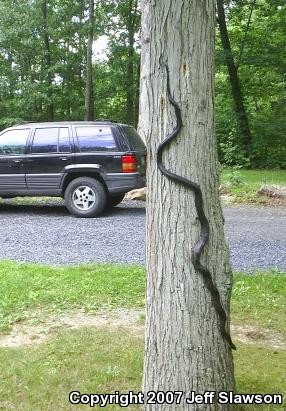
17	161
64	158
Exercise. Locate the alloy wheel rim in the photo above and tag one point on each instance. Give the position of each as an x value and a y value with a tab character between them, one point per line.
83	198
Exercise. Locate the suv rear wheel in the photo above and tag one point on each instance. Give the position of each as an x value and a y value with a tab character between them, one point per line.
85	197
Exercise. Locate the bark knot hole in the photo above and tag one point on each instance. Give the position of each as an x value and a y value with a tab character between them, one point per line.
184	68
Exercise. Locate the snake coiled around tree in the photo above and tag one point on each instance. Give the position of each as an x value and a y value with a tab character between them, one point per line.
202	240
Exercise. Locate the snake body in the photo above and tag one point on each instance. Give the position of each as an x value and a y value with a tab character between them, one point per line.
202	240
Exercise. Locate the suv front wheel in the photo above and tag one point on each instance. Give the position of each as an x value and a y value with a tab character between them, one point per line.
85	197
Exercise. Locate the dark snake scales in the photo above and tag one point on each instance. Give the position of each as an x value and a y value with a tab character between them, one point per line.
200	244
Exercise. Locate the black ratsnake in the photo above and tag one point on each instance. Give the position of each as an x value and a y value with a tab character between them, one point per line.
198	247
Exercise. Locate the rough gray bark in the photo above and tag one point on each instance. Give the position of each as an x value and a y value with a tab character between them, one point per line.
184	349
89	109
144	69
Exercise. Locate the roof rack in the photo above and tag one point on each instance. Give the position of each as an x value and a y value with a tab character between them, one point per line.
105	120
24	122
101	120
21	122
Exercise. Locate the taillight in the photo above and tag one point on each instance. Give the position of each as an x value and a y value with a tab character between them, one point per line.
129	163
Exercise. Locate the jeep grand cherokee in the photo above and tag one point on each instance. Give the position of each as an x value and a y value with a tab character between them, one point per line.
90	164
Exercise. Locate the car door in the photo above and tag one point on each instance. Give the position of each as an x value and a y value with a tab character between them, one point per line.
49	154
12	155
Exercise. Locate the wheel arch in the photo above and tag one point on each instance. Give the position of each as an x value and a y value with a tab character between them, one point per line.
72	176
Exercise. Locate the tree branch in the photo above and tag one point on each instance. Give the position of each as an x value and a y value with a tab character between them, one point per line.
251	8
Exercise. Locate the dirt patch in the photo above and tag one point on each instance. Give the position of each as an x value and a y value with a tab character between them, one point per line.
28	332
226	198
255	336
256	200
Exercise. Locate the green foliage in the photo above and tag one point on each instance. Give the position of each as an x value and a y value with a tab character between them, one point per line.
8	122
234	177
232	154
261	69
28	87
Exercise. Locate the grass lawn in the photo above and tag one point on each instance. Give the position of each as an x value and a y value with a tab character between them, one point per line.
258	177
242	185
107	359
260	300
26	287
92	360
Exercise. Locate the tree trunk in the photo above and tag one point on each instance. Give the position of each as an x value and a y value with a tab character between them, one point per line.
130	68
241	113
130	82
143	120
89	108
81	53
48	60
131	78
184	349
11	77
137	93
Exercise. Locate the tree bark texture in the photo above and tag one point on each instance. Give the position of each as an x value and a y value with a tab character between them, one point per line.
89	102
144	69
241	113
130	79
81	51
48	62
184	349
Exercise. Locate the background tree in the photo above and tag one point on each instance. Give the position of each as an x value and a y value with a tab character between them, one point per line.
242	117
43	69
262	68
184	348
144	68
89	108
122	30
48	61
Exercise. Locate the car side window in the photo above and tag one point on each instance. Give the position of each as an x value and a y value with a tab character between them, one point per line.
13	141
64	140
95	138
134	138
51	140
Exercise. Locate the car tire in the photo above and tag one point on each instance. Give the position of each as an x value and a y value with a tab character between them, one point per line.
85	197
114	200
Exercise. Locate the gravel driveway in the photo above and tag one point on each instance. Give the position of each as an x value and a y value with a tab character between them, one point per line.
46	233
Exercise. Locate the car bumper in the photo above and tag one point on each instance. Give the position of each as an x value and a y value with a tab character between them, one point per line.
120	183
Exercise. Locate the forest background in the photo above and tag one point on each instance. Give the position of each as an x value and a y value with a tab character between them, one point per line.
44	65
